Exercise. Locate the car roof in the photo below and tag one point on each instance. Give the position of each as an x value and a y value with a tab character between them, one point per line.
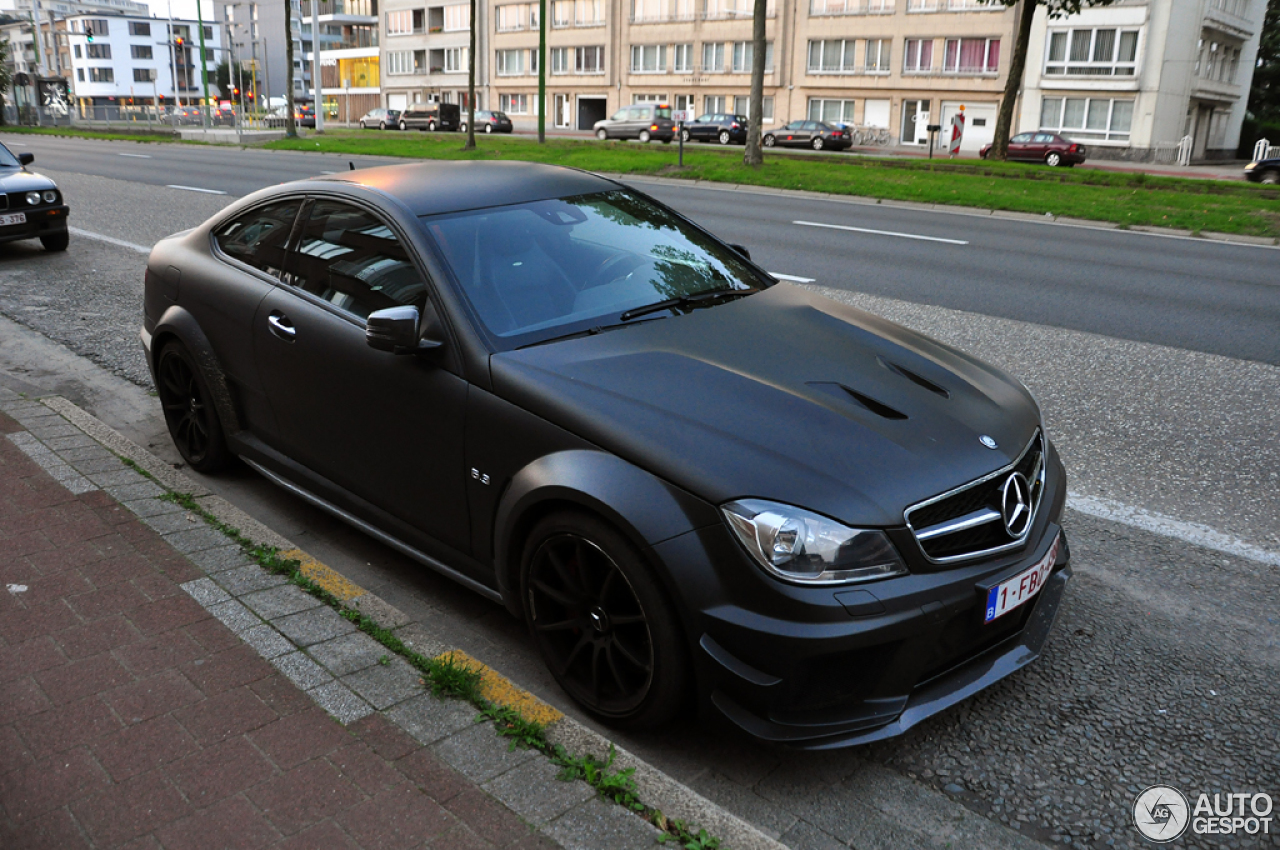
428	188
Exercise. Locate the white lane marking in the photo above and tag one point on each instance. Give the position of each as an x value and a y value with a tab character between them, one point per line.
1166	526
89	234
328	172
16	144
882	232
791	277
137	155
195	189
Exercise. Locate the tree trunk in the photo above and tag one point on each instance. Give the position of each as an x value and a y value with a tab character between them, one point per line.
1013	85
471	84
290	128
754	154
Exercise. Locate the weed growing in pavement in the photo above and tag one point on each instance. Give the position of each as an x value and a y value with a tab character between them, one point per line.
448	676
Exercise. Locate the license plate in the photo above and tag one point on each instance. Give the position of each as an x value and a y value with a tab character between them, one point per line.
13	218
1008	595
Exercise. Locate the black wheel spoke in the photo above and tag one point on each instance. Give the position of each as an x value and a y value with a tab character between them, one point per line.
583	641
561	625
556	594
566	574
627	620
613	668
632	658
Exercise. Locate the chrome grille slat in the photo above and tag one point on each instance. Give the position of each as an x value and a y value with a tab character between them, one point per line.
965	523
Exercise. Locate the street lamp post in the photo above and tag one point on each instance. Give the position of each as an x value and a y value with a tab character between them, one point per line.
204	68
316	73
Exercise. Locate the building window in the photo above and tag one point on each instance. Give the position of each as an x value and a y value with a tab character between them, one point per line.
102	75
76	48
559	60
734	9
588	13
648	58
971	56
742	106
1088	118
513	104
918	56
714	103
648	98
97	51
400	23
143	75
682	58
457	17
140	51
831	57
713	58
139	28
743	51
648	10
923	5
831	111
517	16
876	53
588	60
98	26
561	14
510	63
1092	53
455	60
850	7
80	74
400	62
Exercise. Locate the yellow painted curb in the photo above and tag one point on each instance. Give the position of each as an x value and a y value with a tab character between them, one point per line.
499	690
335	583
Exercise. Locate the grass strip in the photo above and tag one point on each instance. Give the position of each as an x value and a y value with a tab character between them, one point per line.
1126	199
450	677
109	135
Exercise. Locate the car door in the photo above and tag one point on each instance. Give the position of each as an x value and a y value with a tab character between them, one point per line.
1040	144
700	127
386	428
1018	146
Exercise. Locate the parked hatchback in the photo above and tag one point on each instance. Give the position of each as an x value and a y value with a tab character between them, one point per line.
809	134
431	117
1049	148
642	121
488	122
383	119
717	127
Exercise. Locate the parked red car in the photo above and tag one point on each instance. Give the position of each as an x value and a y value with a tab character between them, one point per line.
1049	148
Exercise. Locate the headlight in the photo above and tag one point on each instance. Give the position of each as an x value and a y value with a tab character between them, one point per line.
33	198
1251	166
49	196
800	546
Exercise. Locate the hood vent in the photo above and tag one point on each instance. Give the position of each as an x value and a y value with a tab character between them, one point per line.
914	378
879	408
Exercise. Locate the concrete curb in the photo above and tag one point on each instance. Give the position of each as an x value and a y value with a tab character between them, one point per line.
654	787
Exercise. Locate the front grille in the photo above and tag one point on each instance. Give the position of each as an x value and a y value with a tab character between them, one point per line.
4	202
967	522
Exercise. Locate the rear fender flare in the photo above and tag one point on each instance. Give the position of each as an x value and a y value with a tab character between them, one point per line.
177	323
644	508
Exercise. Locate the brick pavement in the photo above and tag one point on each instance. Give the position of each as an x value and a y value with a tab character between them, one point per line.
131	717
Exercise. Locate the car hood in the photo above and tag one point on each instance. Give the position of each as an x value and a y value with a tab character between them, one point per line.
783	395
21	180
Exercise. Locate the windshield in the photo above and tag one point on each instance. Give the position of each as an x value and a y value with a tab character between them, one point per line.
532	272
7	159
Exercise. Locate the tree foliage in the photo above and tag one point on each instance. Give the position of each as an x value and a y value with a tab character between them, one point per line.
1264	96
1018	61
227	77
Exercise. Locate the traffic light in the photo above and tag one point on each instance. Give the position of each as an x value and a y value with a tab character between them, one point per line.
88	33
179	41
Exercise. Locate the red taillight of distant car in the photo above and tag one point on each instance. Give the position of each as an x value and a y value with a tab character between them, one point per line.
1074	149
654	127
733	126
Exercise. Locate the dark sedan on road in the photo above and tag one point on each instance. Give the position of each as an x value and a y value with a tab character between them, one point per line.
1049	148
686	478
383	119
488	122
809	134
1263	171
640	121
717	127
31	206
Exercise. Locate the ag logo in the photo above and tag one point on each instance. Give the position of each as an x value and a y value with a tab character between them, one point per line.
1161	813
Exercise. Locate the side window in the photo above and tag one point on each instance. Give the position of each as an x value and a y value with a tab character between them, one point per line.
1043	138
260	237
1021	139
351	259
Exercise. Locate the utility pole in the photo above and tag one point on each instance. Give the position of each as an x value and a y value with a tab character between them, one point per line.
173	59
542	71
204	68
315	66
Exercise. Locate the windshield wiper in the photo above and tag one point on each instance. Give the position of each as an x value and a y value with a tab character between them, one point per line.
684	301
592	331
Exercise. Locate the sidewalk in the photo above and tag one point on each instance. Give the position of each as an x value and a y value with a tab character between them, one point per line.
151	698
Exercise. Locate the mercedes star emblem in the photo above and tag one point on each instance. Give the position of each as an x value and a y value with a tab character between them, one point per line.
989	442
1015	504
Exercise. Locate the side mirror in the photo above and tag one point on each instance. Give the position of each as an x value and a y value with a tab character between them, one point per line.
395	329
26	158
741	249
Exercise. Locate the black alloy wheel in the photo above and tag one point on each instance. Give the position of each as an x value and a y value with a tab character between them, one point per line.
188	410
601	622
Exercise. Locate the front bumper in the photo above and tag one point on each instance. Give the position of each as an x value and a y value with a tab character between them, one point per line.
819	668
41	221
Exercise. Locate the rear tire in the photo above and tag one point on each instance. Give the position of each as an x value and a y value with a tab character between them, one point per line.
189	411
602	622
488	128
403	126
602	134
431	126
770	141
56	241
462	128
1270	177
382	125
818	144
644	137
724	137
1053	159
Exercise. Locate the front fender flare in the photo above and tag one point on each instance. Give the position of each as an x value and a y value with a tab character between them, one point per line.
642	506
178	323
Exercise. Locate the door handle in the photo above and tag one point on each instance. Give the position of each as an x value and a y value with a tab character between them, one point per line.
281	326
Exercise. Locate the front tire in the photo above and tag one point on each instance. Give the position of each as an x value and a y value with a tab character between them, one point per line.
644	137
362	127
56	241
602	622
382	125
1270	177
1053	160
188	410
462	128
602	134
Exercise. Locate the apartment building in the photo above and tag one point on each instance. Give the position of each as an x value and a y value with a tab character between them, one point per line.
1132	80
425	52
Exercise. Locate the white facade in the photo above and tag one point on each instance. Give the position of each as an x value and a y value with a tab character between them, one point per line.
138	59
1131	80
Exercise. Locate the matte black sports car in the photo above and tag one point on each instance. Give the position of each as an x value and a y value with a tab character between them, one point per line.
31	206
686	477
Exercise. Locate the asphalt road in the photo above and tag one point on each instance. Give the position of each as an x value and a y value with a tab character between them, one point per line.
1164	664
